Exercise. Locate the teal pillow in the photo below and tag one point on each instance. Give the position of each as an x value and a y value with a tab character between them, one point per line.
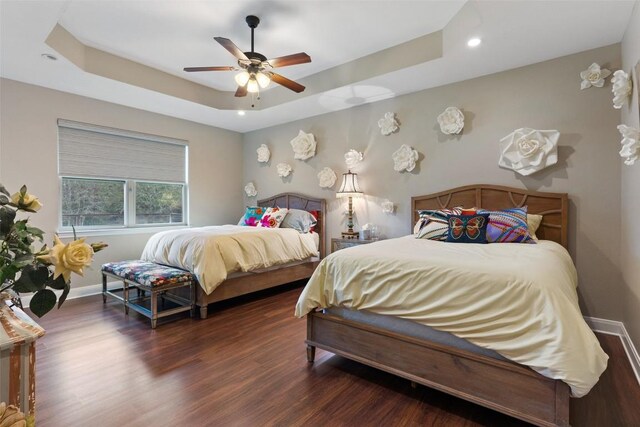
468	228
252	216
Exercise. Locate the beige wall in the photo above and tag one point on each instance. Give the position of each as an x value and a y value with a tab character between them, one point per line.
28	155
543	96
630	194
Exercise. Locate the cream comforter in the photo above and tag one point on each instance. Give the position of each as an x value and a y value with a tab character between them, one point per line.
213	252
516	299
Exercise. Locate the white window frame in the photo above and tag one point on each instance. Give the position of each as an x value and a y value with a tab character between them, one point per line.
130	225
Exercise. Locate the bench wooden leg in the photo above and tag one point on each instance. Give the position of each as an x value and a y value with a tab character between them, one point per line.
125	295
104	288
154	309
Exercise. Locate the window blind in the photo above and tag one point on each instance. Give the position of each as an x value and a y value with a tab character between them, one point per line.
102	152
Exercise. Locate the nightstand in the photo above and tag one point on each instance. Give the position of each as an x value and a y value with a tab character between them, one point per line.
337	244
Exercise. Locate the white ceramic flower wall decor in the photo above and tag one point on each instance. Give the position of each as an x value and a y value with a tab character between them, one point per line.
593	76
250	190
388	207
526	150
284	169
630	144
451	121
304	146
352	158
388	124
327	178
621	87
263	153
404	159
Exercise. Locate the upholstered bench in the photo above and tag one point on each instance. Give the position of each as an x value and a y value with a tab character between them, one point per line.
157	280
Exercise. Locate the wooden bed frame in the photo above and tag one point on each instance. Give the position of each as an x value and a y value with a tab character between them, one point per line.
504	386
268	279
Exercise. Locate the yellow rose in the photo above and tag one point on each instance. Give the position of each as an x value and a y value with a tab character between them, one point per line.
72	257
28	201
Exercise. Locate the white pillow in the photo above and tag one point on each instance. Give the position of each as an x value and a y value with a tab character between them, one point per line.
533	223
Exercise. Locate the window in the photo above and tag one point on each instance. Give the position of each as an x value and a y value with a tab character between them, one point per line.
112	178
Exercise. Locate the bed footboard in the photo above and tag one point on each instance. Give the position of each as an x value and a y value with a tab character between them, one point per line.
506	387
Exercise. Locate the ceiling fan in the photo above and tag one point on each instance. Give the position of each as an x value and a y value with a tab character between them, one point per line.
255	68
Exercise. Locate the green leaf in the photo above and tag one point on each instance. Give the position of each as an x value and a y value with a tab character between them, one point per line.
4	200
32	279
36	232
63	297
3	190
8	272
42	302
58	283
23	191
7	215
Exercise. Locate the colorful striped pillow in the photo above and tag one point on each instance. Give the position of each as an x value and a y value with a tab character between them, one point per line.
508	226
434	224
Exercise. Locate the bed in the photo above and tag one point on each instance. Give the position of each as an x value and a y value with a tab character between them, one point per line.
183	248
448	364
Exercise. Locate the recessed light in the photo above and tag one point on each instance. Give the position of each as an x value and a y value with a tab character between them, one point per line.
474	41
241	113
49	57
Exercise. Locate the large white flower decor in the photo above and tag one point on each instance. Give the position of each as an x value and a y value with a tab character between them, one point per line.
327	178
263	153
593	76
388	124
621	87
526	150
284	169
352	158
388	207
451	121
250	190
304	146
404	159
630	144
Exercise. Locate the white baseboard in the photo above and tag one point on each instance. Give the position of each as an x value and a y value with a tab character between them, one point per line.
74	293
613	327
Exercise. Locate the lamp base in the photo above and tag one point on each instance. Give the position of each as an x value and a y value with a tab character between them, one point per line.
350	235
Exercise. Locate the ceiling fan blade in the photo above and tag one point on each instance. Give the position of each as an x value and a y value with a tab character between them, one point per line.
231	47
284	61
191	69
289	84
241	91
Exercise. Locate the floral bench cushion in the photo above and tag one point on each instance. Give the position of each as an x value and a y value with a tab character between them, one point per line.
147	273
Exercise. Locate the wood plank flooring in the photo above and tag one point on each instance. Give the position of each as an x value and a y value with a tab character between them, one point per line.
246	366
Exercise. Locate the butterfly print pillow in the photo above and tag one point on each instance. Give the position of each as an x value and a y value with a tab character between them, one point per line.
468	228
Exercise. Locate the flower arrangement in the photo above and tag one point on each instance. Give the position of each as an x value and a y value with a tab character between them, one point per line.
25	270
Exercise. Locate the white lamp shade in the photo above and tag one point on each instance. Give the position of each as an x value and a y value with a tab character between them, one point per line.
242	78
252	85
349	187
263	80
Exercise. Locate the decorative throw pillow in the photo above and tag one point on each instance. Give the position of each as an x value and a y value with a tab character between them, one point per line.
508	226
273	217
300	220
533	223
468	228
252	216
433	224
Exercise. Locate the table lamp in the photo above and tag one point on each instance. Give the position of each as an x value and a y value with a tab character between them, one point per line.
349	188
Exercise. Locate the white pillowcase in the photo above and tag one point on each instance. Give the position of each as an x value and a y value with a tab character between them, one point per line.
300	220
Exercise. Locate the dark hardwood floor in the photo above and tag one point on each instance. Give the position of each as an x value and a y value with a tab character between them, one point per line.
246	366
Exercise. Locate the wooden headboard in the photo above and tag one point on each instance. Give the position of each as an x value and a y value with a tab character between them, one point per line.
553	206
299	201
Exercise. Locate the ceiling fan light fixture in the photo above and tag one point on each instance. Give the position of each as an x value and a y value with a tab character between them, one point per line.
242	78
263	80
252	85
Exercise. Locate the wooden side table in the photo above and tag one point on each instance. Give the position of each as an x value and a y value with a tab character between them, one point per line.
337	244
18	333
